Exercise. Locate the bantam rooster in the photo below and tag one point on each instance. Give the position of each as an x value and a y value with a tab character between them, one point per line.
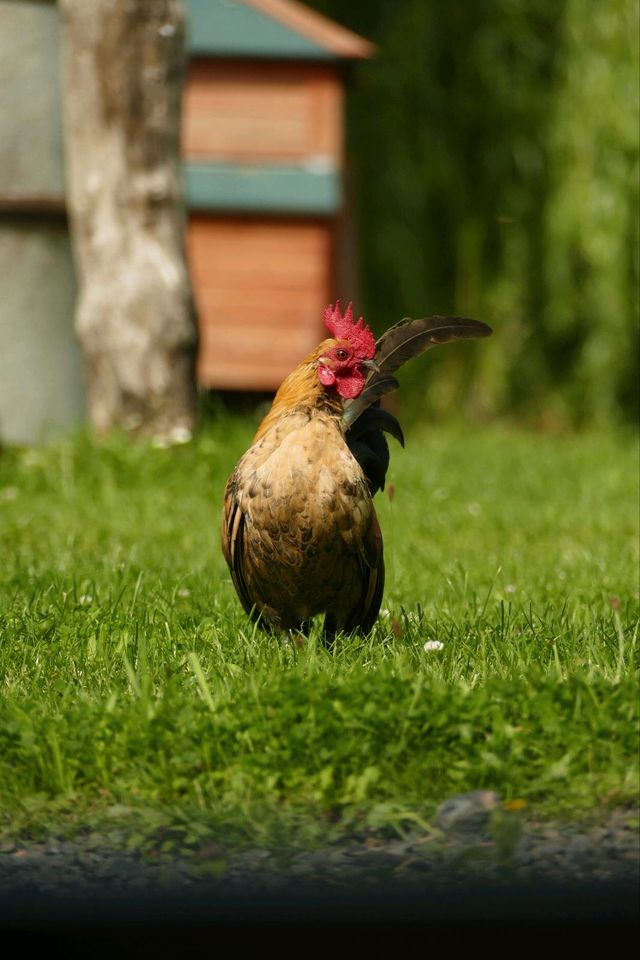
300	533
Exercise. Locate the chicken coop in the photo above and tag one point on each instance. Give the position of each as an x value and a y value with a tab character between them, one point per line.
268	227
262	139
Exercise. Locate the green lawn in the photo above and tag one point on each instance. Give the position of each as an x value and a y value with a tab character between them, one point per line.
135	692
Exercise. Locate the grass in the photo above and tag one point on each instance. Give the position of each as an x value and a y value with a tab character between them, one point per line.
136	696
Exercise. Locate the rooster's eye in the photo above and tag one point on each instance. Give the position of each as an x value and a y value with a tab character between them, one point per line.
341	354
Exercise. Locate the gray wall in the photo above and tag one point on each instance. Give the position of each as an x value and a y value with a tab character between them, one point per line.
41	390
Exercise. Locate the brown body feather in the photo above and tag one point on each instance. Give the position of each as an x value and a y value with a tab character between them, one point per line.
299	532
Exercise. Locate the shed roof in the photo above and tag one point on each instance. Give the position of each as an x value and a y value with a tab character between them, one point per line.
283	29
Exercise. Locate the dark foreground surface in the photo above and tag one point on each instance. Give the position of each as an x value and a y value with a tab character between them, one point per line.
515	887
506	919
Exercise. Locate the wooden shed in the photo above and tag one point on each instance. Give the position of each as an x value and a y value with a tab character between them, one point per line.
263	147
262	138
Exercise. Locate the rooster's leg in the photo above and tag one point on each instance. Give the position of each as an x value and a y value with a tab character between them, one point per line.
329	631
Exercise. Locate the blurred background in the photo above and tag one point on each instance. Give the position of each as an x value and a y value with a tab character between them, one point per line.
486	164
495	156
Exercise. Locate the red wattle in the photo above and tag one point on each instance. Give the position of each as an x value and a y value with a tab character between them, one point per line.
350	386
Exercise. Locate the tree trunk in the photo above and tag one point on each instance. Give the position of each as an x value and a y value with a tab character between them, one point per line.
122	69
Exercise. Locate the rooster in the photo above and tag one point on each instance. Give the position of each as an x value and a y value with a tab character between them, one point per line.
300	534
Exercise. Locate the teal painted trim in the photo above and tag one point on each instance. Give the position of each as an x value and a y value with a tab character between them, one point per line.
218	187
231	28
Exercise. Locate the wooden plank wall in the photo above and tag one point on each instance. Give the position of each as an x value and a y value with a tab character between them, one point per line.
261	286
261	113
261	282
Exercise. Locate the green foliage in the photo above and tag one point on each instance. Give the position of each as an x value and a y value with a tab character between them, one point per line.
136	693
495	156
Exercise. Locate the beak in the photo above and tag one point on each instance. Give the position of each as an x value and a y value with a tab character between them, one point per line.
370	365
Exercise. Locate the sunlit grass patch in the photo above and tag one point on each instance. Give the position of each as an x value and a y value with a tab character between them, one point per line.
136	692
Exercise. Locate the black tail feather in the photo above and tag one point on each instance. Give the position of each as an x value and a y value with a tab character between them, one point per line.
363	420
368	444
406	339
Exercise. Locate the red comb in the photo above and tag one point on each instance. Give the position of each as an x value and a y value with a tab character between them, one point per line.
343	328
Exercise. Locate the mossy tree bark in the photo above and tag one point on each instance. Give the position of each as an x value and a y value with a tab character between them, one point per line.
122	69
